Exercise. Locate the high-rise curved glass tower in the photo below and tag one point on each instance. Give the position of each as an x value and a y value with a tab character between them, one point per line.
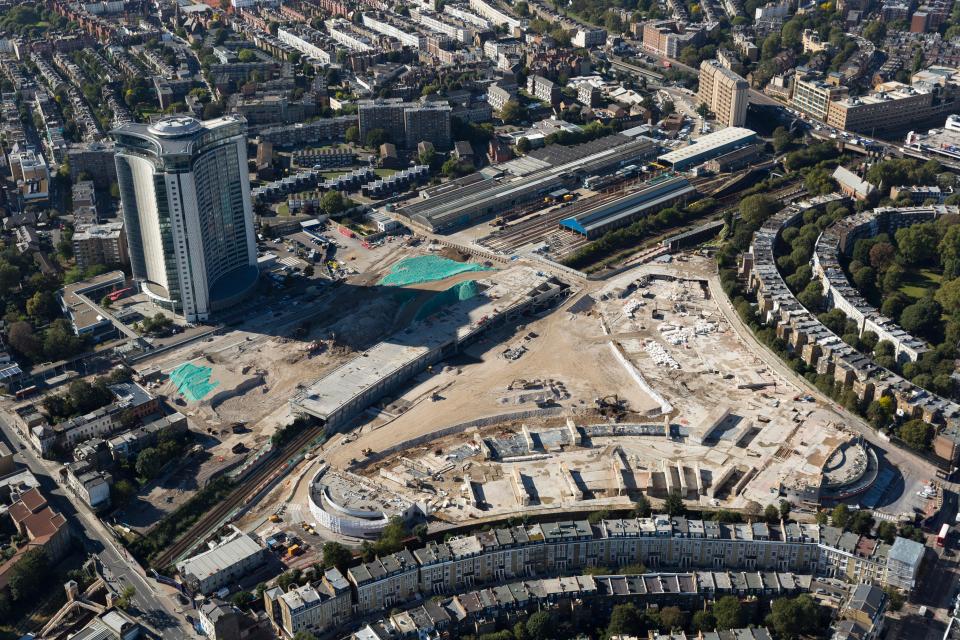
187	211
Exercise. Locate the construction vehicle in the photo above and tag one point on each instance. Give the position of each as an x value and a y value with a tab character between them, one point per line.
611	406
294	550
367	452
274	518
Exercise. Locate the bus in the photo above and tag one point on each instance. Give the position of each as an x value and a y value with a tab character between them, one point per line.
942	536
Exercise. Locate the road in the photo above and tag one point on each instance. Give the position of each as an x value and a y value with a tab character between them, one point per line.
155	608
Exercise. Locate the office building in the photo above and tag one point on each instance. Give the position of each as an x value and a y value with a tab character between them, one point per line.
187	212
893	106
724	92
813	96
104	244
407	123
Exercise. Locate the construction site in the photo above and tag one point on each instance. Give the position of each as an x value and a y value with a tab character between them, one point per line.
645	389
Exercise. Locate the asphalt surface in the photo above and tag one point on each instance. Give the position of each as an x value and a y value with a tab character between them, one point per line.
153	607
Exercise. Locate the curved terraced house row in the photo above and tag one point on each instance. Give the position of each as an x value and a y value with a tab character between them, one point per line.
538	551
711	557
839	239
581	596
822	349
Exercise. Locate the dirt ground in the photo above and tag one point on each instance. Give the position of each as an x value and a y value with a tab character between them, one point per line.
474	384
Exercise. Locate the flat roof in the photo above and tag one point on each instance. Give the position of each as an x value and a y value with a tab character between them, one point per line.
209	563
710	142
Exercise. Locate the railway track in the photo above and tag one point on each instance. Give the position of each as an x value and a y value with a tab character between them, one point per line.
216	517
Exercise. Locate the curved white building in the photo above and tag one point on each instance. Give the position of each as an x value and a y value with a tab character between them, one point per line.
187	211
352	506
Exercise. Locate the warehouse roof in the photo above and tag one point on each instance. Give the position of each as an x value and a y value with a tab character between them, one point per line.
710	142
209	563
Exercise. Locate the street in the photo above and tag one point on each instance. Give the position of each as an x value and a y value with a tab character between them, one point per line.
155	609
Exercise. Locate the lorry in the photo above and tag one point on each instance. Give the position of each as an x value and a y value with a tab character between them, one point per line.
942	536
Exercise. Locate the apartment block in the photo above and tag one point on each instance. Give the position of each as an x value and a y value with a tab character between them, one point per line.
312	608
588	38
497	96
103	244
543	89
668	37
384	582
724	92
407	123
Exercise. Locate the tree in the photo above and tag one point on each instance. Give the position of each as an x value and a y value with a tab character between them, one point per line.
43	306
840	515
917	434
512	112
948	295
22	338
875	32
352	134
334	202
793	617
427	157
755	209
771	47
336	555
781	140
887	531
540	626
861	522
922	317
917	244
895	599
9	277
246	55
771	514
59	341
673	505
784	509
122	491
149	463
625	619
376	137
241	599
303	634
728	613
523	145
672	618
642	507
29	575
882	255
703	621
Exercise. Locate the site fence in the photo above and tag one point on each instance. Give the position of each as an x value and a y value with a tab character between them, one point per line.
548	412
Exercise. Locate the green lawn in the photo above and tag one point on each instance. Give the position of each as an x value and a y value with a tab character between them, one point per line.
283	209
383	173
916	282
